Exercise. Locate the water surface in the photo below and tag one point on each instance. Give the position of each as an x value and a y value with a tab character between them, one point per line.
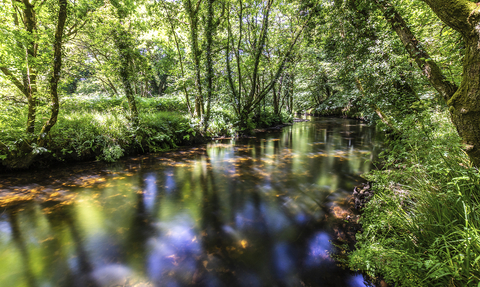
252	212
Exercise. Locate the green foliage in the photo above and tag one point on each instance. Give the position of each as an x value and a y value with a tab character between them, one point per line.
91	134
97	127
422	228
164	130
221	122
267	118
164	104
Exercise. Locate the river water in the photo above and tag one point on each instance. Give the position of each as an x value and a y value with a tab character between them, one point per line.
260	211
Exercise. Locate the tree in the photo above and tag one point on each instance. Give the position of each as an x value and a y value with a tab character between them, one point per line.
464	101
246	49
28	58
192	11
25	55
56	69
124	44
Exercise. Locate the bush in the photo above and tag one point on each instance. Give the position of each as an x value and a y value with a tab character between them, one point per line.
164	130
82	135
221	122
162	104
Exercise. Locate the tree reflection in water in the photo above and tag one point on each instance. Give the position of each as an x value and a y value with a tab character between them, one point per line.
251	212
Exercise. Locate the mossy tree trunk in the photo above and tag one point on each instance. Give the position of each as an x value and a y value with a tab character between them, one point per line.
192	10
55	77
464	101
125	46
28	84
30	79
210	31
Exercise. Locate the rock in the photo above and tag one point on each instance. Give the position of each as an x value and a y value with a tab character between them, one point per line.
362	194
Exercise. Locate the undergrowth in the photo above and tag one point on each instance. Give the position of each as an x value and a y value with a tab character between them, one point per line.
98	127
422	227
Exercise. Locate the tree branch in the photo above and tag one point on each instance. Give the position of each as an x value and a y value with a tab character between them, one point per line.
428	66
14	80
455	13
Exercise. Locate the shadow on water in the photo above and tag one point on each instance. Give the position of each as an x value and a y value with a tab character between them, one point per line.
252	212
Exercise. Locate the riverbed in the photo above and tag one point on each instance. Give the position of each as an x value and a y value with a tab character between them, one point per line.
259	211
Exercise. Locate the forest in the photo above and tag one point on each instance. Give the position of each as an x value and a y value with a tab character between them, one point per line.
99	80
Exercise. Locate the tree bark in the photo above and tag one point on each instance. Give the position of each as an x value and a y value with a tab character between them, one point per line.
123	45
30	79
429	67
464	102
209	63
55	77
192	13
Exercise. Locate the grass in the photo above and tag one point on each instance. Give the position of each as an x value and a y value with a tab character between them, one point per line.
422	228
98	127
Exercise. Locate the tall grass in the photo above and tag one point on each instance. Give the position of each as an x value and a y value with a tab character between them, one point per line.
98	126
422	228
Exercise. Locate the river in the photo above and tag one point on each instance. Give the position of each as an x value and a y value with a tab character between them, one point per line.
259	211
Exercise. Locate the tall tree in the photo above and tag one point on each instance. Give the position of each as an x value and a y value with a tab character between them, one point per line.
35	56
26	12
192	10
247	41
464	101
124	43
56	69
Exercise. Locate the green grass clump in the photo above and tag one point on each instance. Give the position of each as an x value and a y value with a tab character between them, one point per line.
163	130
79	135
422	228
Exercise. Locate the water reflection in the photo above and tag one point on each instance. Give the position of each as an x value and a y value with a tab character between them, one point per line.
250	212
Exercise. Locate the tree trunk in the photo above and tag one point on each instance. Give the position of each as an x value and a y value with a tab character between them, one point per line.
464	102
57	66
175	37
429	67
30	79
275	101
192	13
209	63
124	47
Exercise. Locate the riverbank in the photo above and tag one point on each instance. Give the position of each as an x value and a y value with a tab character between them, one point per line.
100	129
422	225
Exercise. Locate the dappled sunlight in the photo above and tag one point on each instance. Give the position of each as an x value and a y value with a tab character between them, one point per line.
247	210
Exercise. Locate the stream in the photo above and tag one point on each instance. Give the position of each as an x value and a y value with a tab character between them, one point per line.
259	211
